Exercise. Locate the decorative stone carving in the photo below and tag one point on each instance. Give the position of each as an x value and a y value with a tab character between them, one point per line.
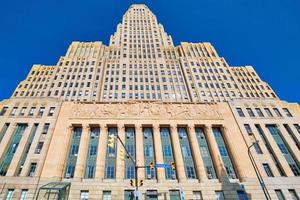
140	110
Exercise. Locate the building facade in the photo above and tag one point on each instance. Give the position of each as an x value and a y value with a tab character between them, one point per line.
181	105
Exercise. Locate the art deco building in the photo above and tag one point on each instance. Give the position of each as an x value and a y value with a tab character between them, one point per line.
183	105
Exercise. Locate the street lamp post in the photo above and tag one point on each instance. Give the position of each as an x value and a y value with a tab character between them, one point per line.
260	178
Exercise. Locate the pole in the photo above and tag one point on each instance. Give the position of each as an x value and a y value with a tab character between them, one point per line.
260	178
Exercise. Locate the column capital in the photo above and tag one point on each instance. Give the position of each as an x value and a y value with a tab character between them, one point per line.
173	127
104	126
138	127
121	127
70	128
155	127
207	126
86	127
191	126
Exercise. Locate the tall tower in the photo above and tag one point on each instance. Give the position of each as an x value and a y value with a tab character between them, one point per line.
197	127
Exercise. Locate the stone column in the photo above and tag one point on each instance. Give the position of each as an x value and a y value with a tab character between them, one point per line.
18	154
277	151
82	152
213	146
120	164
158	152
177	154
139	150
199	164
100	163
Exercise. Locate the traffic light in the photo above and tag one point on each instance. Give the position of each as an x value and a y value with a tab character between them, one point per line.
141	183
122	153
111	141
173	166
151	165
132	183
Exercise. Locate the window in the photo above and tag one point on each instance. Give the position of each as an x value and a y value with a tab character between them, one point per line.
41	111
186	151
297	127
130	172
32	169
13	111
90	171
279	195
22	112
24	193
242	195
277	112
268	170
106	195
148	151
283	148
197	195
190	172
167	150
84	195
110	172
257	148
259	112
39	148
250	112
93	150
51	111
240	112
174	195
151	195
223	151
45	128
74	149
293	194
10	193
268	112
248	129
31	112
219	195
3	111
287	112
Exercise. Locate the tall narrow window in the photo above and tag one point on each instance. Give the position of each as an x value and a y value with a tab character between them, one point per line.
219	195
268	112
129	195
41	111
3	131
148	152
268	170
106	195
84	195
92	153
293	194
279	195
24	193
259	112
283	147
10	194
205	153
167	152
293	137
186	153
45	128
297	127
174	195
248	129
197	195
270	150
73	152
23	110
51	111
130	145
250	112
32	169
3	111
13	111
277	112
287	112
224	153
110	162
7	156
240	112
32	111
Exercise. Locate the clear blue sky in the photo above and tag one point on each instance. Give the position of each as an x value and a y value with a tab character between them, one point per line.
261	33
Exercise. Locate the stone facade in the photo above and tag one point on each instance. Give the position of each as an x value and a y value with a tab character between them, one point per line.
182	106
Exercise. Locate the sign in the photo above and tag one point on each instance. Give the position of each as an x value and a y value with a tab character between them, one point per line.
162	165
